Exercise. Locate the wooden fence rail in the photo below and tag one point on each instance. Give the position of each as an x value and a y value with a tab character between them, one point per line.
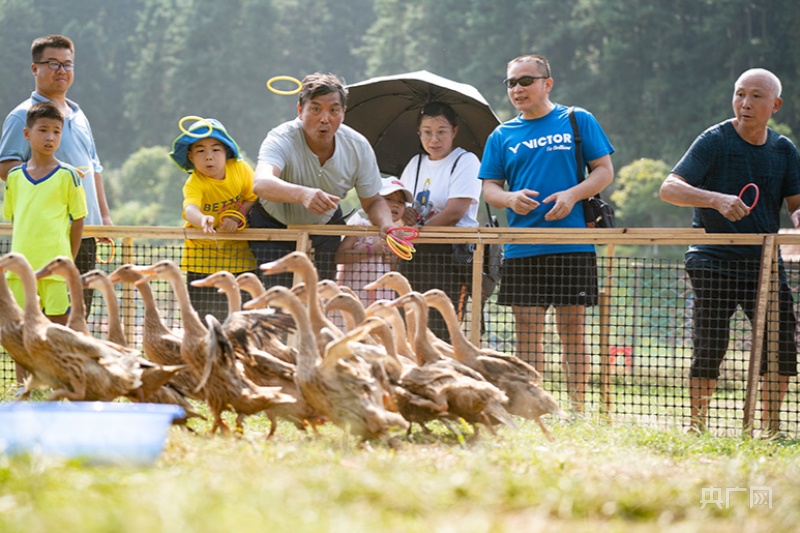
766	309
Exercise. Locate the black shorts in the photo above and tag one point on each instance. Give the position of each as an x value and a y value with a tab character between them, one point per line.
267	251
545	280
716	297
86	260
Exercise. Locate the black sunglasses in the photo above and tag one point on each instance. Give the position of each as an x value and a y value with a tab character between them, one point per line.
524	81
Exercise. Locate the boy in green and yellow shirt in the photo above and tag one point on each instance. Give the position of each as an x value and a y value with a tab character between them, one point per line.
46	203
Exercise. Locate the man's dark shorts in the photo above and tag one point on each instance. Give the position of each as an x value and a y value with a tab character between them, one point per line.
716	298
549	280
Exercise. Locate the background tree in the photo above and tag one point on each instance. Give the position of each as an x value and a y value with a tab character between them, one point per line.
637	197
654	73
147	190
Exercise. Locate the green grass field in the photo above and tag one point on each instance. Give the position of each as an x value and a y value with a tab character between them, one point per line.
593	477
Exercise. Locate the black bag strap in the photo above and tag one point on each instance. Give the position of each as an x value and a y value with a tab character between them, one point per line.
453	168
419	164
489	215
576	139
488	211
416	178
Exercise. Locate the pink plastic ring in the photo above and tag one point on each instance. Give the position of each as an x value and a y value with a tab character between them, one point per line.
755	201
400	240
413	231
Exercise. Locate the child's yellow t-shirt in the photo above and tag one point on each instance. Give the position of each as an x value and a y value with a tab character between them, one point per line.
206	256
41	213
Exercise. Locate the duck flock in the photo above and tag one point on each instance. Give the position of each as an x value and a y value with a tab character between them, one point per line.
383	372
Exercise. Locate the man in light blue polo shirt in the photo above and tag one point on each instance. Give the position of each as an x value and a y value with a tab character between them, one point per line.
53	69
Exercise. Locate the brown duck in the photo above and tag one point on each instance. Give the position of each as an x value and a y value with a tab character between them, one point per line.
153	375
520	381
157	380
159	343
339	386
398	283
80	366
209	355
11	337
469	395
253	332
254	335
299	263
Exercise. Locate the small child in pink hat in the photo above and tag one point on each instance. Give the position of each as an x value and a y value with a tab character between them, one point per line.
362	260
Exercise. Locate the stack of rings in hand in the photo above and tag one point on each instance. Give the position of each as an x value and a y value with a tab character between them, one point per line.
235	213
401	245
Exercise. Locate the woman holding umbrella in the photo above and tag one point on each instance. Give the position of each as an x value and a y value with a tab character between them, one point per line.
446	189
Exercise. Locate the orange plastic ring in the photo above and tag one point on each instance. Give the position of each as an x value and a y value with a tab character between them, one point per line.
110	255
402	253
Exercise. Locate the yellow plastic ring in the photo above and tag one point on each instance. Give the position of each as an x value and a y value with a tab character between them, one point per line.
195	135
402	256
110	255
398	250
233	213
284	78
404	249
82	170
401	243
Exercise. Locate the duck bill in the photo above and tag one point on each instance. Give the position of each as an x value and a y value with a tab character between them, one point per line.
148	272
257	302
273	267
43	272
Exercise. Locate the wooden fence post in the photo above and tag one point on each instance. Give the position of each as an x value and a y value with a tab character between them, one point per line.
759	322
772	382
606	395
128	301
476	307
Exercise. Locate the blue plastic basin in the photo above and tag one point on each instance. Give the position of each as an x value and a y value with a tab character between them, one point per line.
97	432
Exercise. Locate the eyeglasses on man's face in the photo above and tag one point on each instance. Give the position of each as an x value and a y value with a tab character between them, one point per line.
523	80
55	65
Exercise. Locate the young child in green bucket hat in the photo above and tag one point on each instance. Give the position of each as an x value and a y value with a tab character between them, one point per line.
216	198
